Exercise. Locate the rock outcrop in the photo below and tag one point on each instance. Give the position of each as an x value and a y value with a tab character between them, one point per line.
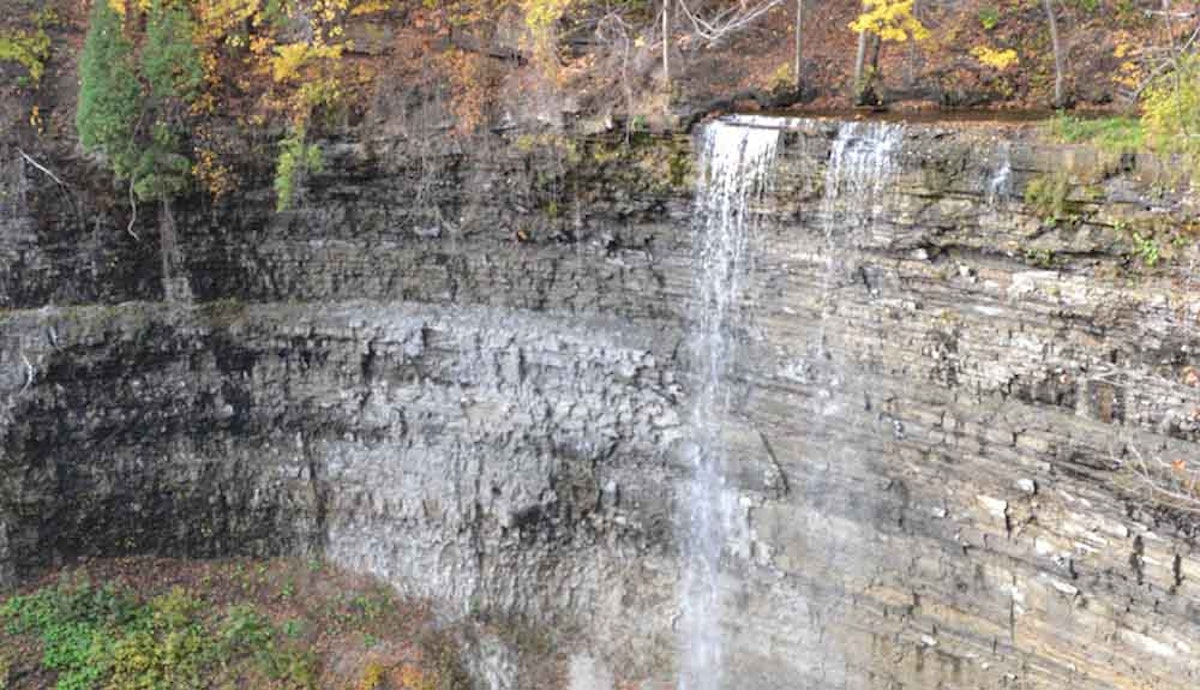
964	404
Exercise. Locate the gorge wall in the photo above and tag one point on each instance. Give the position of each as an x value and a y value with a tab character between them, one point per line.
959	403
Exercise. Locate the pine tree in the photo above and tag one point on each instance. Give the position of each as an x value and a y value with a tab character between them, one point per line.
170	66
135	112
109	94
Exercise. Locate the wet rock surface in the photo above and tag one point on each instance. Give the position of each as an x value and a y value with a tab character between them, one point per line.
959	397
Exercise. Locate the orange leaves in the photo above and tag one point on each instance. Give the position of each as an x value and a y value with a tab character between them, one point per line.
470	85
368	7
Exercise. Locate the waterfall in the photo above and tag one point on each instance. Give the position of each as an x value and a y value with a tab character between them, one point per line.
862	159
1000	184
736	159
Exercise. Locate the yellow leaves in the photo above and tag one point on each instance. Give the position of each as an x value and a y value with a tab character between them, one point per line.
541	15
219	18
996	59
36	121
367	7
891	20
291	58
320	93
261	45
215	176
29	49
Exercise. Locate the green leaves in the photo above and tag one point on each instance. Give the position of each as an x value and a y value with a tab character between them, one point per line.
95	637
134	110
109	93
296	159
169	59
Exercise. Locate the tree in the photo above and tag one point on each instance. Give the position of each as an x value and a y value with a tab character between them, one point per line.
1059	96
713	24
881	21
133	111
1171	111
797	48
109	93
666	49
170	69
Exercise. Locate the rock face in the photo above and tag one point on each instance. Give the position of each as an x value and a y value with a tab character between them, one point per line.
963	405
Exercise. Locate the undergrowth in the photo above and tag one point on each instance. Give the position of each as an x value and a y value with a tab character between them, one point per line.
1110	134
246	625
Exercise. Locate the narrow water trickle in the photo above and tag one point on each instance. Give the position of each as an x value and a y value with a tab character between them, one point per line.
861	161
1000	184
735	162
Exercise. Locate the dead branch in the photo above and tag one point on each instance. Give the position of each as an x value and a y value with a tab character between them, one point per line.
727	21
29	159
133	214
1162	480
30	373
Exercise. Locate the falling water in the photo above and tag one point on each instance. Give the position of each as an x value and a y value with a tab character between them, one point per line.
736	160
1000	183
861	161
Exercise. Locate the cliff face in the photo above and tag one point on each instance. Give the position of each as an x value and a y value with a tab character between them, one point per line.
468	371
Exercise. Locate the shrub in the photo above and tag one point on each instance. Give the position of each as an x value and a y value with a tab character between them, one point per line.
989	17
296	159
1171	112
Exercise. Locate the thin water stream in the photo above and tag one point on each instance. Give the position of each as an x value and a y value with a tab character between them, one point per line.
736	160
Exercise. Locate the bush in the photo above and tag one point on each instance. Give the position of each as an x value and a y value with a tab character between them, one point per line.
296	159
28	49
1171	112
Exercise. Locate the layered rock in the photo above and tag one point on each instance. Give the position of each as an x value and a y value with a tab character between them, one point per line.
468	372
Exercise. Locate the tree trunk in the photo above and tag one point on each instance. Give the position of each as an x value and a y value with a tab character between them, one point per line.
1059	97
666	55
867	93
910	76
799	48
175	283
860	61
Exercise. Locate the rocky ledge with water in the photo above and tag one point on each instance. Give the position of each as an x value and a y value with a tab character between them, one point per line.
952	375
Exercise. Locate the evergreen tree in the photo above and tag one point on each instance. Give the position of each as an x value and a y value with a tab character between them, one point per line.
109	94
134	111
170	67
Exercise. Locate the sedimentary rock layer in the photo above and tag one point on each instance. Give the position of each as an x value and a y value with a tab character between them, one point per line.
959	381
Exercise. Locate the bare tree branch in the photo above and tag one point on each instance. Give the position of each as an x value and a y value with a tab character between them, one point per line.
728	20
30	373
133	215
29	159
